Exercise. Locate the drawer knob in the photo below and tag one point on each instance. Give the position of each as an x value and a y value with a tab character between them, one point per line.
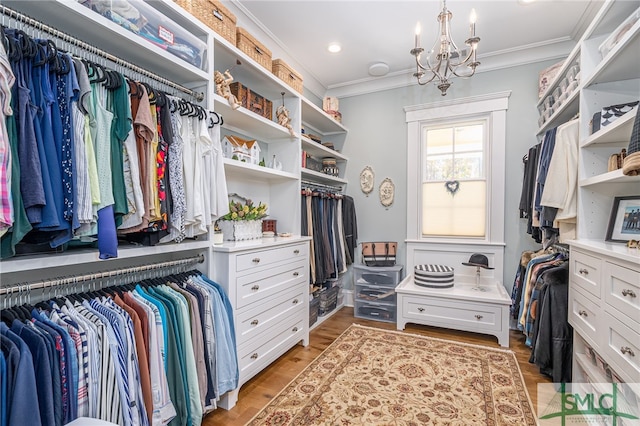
583	313
627	350
479	317
255	287
254	322
294	329
256	260
583	271
420	309
295	301
627	292
296	251
254	355
295	274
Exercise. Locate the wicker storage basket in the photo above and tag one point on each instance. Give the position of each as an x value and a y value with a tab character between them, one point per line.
214	15
251	100
252	47
287	74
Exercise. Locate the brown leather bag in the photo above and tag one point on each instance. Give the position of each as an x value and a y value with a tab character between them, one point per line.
381	253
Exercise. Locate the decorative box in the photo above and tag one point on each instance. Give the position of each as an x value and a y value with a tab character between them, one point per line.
241	230
252	47
546	77
287	74
433	276
214	15
252	100
260	105
330	103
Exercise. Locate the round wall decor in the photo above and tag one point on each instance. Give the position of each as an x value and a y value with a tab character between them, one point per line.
387	192
366	180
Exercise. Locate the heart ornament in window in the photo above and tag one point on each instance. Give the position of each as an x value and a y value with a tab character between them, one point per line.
452	186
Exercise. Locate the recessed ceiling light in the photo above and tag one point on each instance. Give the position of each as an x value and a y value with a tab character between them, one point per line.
526	1
334	47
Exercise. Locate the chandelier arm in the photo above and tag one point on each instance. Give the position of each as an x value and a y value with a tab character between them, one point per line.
463	75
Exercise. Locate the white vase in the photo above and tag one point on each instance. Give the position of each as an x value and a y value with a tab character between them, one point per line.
241	230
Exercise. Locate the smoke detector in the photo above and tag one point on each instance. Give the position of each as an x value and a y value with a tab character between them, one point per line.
378	69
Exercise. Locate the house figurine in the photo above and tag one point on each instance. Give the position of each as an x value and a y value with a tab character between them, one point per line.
241	149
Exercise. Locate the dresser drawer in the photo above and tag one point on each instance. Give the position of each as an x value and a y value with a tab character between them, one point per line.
584	316
258	320
254	287
622	290
622	348
261	258
260	352
586	272
453	314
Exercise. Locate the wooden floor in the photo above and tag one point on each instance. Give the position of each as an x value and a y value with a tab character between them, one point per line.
262	388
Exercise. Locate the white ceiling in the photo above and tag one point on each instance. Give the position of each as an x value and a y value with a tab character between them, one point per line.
373	31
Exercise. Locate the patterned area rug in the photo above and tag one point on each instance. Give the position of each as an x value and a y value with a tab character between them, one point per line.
370	376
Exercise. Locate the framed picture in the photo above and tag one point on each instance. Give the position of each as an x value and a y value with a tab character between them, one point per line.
624	222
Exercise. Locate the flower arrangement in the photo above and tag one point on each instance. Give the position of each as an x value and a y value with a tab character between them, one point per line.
245	211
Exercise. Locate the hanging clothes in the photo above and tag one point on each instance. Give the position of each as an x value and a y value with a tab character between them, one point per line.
159	352
97	156
323	220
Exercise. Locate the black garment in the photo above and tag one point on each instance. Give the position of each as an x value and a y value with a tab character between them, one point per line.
350	224
554	342
528	181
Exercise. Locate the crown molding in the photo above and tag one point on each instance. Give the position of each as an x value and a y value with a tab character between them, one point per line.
534	53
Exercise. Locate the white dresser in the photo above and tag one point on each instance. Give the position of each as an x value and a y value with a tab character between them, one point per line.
268	284
459	307
604	310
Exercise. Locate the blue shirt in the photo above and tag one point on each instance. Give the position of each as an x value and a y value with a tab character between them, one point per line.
24	394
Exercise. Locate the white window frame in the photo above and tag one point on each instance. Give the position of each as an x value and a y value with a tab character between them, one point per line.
493	107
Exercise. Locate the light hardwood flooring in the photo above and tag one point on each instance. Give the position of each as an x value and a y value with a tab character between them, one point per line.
256	393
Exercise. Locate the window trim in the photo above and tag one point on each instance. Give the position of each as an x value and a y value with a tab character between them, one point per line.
493	107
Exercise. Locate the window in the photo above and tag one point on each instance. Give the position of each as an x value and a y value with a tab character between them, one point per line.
453	180
455	170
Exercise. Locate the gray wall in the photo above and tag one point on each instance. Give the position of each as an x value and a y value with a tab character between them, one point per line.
378	138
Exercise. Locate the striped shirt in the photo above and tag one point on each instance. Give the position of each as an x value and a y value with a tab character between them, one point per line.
110	403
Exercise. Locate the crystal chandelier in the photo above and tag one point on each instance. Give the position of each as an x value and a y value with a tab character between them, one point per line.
445	60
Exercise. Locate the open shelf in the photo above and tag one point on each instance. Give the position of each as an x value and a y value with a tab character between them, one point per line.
73	257
235	168
249	123
321	177
621	63
319	120
614	177
318	150
616	132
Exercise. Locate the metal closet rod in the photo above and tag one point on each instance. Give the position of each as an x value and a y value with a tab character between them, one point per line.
38	25
317	185
76	279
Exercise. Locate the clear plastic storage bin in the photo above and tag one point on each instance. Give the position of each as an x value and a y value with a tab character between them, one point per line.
388	276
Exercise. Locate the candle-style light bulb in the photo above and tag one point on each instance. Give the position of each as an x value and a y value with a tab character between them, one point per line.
418	31
472	20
